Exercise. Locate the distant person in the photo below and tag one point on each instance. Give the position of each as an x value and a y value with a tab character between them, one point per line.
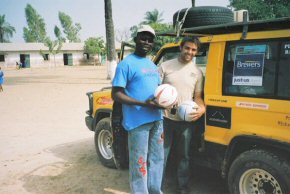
23	65
1	80
17	65
134	84
187	78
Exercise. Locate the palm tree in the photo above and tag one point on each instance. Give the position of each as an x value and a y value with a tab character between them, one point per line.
152	17
6	30
110	39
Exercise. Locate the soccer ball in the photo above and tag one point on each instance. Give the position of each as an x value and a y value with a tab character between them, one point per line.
165	95
185	108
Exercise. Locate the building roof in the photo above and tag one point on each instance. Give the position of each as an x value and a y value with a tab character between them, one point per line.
38	46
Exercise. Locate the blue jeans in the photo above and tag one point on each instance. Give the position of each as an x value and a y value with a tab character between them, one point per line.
146	158
178	135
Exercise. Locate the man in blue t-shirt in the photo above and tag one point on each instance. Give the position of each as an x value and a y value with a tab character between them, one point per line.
134	84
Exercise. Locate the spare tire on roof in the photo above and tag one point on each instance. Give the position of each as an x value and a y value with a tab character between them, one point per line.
203	16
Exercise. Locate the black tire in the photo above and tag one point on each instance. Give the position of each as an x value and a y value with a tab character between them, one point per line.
103	142
204	16
259	171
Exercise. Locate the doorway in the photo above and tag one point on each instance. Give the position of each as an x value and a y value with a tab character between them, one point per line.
67	59
25	60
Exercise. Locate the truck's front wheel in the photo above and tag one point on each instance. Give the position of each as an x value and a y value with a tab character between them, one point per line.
103	142
257	172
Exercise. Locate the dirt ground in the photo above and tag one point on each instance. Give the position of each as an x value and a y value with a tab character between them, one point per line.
45	144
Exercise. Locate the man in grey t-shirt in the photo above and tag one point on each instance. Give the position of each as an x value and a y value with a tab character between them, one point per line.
187	78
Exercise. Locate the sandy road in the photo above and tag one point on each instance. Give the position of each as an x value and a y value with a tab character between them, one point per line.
45	145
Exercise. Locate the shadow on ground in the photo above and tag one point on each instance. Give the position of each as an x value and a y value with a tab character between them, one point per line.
80	172
203	180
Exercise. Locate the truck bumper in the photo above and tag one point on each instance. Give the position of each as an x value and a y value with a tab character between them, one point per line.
89	122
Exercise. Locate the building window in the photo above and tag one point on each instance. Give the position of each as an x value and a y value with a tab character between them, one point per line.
87	56
2	58
45	57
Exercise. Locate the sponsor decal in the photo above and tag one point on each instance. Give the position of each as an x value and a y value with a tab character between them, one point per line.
218	100
252	105
249	65
104	100
219	116
248	69
284	122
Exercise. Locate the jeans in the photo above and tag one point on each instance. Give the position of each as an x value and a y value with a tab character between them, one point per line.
146	158
178	135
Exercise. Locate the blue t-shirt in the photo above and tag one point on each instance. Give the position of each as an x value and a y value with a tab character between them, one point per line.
139	77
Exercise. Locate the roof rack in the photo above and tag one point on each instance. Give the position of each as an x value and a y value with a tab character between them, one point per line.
234	27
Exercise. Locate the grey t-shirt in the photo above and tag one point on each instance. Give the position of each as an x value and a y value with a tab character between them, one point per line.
186	78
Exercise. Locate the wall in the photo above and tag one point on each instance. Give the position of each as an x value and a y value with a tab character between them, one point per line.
36	59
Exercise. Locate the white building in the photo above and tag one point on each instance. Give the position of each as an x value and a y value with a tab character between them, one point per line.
37	55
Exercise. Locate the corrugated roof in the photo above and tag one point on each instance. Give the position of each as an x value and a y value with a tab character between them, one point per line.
38	47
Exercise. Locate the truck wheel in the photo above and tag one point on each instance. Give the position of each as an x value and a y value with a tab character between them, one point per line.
204	15
259	171
103	142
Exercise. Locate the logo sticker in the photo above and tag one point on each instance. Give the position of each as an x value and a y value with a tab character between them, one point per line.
219	116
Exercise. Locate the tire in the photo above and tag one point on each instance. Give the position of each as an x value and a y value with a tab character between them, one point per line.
259	171
204	16
103	142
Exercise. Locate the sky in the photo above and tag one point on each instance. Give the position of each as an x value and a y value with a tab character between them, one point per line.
90	13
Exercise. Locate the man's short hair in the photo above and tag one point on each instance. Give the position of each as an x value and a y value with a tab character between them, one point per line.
192	39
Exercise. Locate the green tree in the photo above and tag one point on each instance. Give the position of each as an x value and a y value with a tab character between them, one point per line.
263	9
36	31
6	30
152	17
110	39
161	40
69	29
57	33
54	47
155	23
95	46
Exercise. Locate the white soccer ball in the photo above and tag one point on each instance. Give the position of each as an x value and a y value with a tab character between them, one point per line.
165	95
185	108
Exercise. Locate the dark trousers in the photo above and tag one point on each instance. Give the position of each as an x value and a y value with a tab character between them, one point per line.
177	139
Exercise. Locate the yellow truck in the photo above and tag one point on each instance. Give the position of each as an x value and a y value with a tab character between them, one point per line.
245	133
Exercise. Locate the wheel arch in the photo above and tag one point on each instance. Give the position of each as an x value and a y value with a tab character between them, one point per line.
243	143
100	114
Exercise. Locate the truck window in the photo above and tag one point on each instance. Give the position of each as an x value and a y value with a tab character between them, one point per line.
257	69
173	52
167	54
284	70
